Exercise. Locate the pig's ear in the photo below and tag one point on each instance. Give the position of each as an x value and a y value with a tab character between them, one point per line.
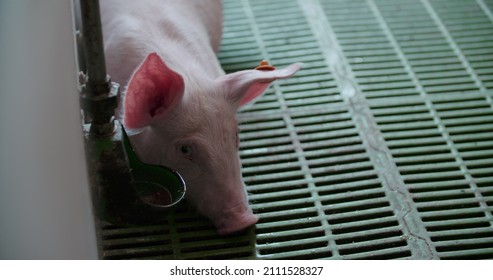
152	92
245	86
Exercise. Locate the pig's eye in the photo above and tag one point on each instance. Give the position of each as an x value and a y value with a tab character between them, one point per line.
186	150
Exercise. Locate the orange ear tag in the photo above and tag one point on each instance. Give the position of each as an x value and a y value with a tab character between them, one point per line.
264	66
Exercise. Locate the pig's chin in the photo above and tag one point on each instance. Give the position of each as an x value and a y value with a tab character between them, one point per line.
234	220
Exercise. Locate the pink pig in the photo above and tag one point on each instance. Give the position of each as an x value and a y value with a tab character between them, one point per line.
179	103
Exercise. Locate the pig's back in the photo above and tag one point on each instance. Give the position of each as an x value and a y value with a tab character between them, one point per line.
177	30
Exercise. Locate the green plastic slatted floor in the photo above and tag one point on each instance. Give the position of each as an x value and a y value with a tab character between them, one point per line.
380	148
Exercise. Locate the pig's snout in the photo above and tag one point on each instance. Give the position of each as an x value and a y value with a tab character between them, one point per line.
234	220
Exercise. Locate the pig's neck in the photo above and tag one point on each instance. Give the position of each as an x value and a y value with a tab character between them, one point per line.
185	45
192	61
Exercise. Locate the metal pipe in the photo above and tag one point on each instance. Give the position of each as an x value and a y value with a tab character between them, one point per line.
94	51
99	95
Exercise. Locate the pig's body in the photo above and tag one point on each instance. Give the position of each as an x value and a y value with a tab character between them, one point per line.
179	100
186	34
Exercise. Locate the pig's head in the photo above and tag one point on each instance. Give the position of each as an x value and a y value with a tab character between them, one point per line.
189	124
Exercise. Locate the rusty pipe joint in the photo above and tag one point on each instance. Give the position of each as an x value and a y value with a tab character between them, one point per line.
100	109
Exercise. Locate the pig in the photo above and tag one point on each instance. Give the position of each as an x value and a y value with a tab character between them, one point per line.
178	105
